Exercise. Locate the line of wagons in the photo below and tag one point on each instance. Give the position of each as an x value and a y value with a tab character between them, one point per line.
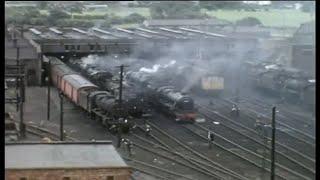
83	93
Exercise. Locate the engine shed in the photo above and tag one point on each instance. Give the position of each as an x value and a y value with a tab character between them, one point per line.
64	160
303	48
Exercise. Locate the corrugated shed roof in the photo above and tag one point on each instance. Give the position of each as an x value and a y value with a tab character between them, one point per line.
62	155
305	35
306	28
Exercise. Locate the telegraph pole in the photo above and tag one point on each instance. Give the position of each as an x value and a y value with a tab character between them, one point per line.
61	116
49	81
273	142
120	104
120	90
120	85
20	98
19	74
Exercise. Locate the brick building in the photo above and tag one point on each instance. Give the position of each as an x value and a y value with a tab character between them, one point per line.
64	161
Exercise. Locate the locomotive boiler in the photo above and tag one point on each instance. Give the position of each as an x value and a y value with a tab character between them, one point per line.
105	80
165	98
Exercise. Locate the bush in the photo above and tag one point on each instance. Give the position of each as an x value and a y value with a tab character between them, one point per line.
58	14
75	23
248	21
115	20
89	17
134	18
131	4
38	21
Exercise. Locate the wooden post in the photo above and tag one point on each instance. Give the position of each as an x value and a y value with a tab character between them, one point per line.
49	81
273	143
61	117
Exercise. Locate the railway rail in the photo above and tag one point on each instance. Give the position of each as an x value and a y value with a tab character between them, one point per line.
158	150
43	132
302	125
248	149
283	152
212	156
248	120
248	117
155	171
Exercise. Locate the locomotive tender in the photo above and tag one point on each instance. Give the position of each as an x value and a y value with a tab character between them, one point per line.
85	94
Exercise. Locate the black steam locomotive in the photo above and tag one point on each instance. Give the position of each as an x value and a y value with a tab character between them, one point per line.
288	82
104	79
165	98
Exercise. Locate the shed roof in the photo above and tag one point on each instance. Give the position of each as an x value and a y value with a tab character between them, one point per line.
78	81
62	155
306	28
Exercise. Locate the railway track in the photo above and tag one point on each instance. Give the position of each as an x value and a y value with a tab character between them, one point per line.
283	153
198	162
218	155
43	132
154	171
178	160
248	117
301	125
249	149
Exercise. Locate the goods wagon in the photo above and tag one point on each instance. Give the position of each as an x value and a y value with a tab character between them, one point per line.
58	71
73	84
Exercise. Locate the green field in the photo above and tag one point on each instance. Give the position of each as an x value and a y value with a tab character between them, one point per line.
274	18
268	18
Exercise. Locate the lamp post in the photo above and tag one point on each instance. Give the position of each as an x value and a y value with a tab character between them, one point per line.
273	143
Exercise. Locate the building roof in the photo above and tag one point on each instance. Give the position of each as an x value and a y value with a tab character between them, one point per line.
184	22
27	51
56	155
306	28
305	35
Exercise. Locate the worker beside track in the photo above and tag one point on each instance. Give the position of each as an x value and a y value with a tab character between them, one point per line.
148	129
210	139
235	110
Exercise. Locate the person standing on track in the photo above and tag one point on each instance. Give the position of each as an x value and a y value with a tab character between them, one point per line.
210	139
235	110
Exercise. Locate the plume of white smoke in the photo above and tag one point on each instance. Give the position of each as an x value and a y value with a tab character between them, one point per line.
156	67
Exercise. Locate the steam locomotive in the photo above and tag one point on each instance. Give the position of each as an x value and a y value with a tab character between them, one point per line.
104	78
287	82
85	94
165	98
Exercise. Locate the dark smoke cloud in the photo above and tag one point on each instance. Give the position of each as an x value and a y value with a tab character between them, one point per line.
182	59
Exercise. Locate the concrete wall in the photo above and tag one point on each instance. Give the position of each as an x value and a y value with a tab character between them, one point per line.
79	174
